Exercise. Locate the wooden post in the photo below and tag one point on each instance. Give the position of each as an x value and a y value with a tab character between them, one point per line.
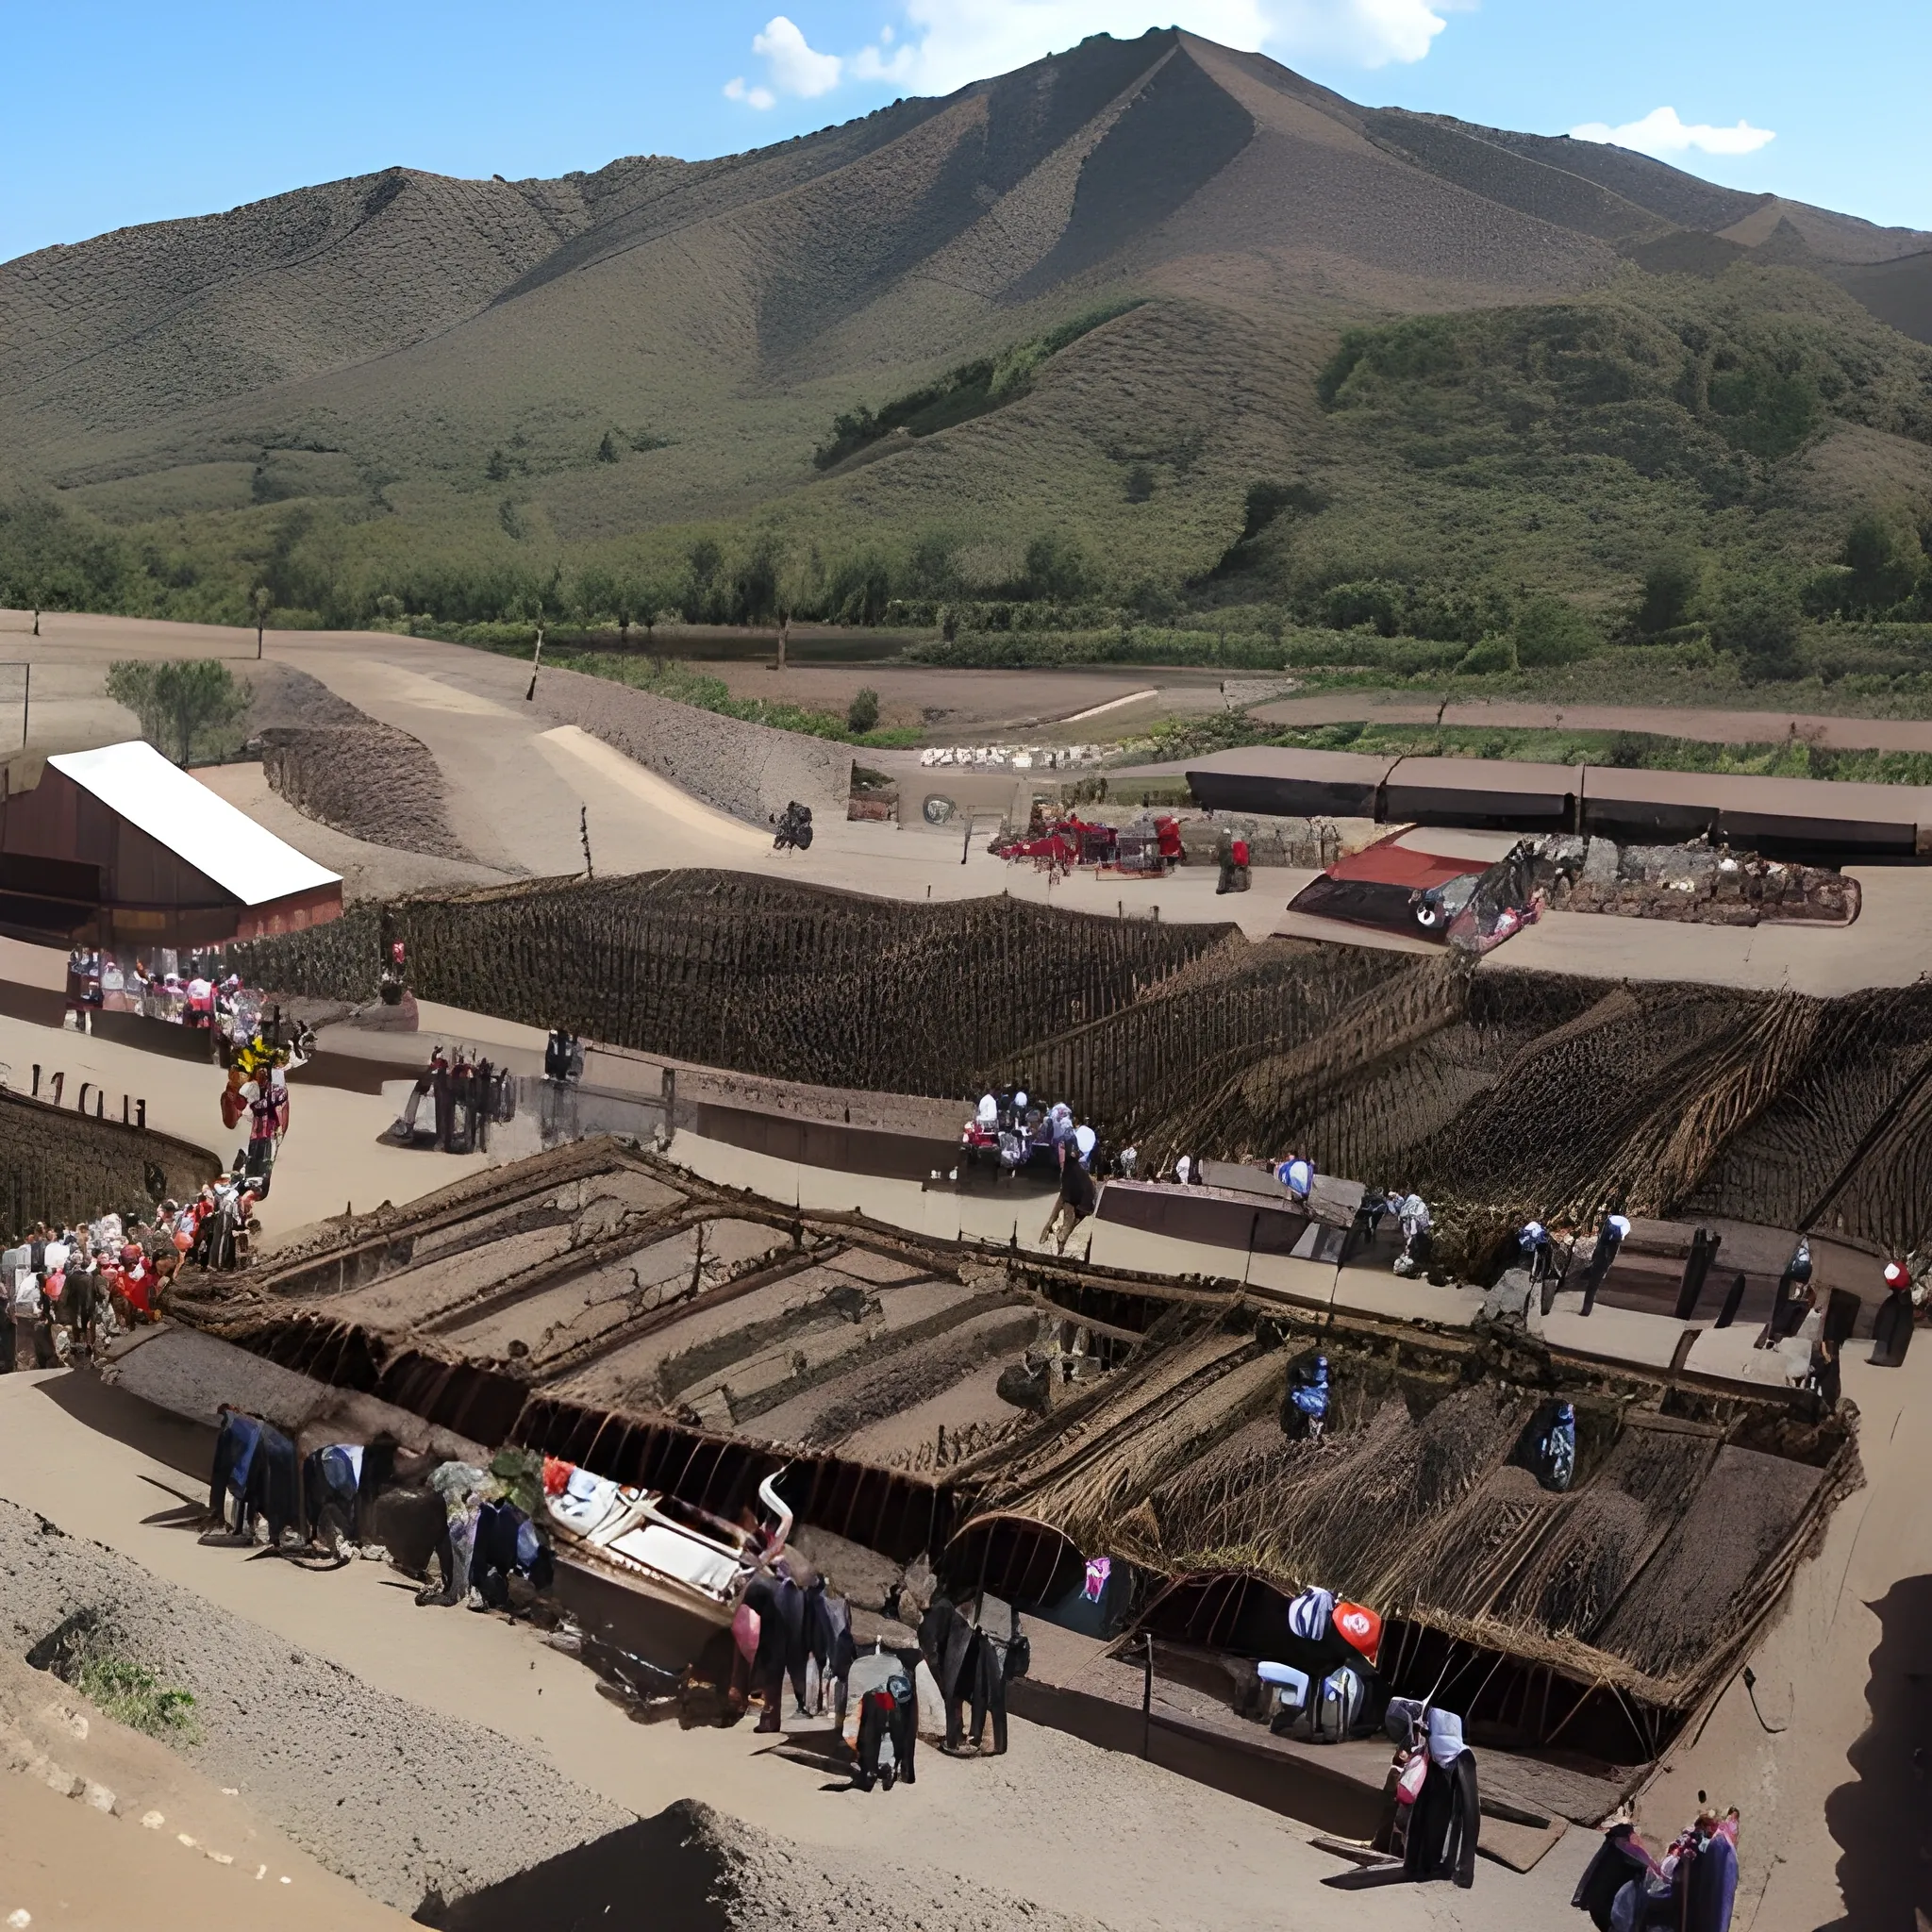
1147	1698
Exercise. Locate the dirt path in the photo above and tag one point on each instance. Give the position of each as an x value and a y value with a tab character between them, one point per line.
519	797
1712	726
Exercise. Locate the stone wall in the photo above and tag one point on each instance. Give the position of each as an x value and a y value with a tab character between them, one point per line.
1696	883
59	1164
750	771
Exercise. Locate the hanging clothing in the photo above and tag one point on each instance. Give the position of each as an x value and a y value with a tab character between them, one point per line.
970	1668
1892	1330
1620	1861
506	1544
274	1484
891	1713
333	1476
235	1449
1443	1833
1712	1888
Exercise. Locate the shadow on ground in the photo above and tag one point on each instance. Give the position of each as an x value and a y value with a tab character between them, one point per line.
1881	1820
657	1875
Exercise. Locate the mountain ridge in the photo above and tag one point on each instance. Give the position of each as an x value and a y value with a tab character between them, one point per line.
437	368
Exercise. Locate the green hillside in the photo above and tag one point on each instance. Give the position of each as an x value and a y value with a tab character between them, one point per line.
1148	329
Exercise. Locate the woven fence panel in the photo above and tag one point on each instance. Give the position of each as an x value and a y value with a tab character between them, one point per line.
761	976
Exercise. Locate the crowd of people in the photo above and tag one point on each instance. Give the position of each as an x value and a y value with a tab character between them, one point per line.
185	988
70	1290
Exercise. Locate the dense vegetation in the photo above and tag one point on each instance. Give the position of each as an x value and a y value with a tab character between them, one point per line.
961	393
1786	758
1723	484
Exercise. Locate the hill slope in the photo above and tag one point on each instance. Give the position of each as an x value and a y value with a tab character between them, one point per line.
440	391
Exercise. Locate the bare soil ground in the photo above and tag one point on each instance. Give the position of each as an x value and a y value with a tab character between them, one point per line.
951	705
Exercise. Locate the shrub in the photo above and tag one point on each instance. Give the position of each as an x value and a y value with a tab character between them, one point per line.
188	700
1056	570
1492	654
1668	595
862	714
1759	625
1549	631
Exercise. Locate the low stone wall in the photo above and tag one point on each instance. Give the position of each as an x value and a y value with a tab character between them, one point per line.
751	771
1696	884
59	1164
1271	841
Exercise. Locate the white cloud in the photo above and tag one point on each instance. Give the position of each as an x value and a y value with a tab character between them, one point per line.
948	43
758	97
795	67
1662	136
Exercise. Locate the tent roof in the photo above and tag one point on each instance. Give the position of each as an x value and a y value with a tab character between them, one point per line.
245	860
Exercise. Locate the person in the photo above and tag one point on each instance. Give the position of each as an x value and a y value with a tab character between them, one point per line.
1891	1327
986	1115
1085	1141
1231	853
1297	1174
1418	1236
1076	1200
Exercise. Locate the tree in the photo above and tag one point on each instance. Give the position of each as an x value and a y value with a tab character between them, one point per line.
1549	631
1759	625
754	582
607	450
497	468
261	600
699	595
1668	596
182	699
1884	557
932	570
1056	570
862	714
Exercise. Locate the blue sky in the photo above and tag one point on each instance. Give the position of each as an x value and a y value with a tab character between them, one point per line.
120	112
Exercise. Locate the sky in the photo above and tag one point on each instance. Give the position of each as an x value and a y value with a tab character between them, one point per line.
121	111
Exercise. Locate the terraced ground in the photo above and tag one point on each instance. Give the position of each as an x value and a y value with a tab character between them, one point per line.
436	392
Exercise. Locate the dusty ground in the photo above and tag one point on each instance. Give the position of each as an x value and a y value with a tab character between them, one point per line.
1057	1824
518	789
104	1827
331	1156
950	706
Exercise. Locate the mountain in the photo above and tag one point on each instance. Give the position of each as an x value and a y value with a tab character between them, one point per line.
452	380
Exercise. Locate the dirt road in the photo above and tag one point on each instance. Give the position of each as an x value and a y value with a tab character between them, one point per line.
1712	725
